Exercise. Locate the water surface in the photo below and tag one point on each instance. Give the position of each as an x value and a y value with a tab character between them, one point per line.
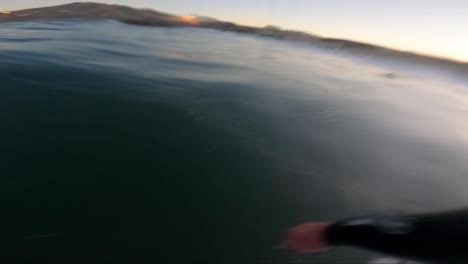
127	144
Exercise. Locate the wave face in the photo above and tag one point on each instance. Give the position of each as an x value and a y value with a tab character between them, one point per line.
135	145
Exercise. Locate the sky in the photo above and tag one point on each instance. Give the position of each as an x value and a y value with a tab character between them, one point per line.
434	27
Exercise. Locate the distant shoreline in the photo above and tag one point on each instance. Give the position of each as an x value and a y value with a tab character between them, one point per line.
148	17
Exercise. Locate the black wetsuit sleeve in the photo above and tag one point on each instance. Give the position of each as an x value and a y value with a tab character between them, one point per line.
440	238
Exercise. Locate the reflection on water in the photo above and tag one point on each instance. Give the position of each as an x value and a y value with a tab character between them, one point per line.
136	144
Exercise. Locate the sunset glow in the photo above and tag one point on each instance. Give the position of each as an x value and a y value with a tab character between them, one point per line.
192	20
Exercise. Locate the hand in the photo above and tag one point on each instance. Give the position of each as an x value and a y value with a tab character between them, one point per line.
307	237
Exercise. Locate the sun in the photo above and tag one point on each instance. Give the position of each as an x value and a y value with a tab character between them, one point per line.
189	19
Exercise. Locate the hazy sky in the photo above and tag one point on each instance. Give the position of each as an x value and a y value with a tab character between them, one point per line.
438	27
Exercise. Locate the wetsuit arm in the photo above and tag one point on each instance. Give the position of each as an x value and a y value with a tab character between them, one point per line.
431	237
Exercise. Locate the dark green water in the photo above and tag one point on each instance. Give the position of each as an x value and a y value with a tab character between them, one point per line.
122	144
